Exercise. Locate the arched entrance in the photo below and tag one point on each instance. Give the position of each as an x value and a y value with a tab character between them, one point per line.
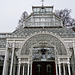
43	58
44	51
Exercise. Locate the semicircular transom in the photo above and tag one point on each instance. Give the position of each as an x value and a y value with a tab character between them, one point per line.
44	38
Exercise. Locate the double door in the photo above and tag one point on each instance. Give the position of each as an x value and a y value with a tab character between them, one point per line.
43	68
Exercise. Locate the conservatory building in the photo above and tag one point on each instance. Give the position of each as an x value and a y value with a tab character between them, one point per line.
43	46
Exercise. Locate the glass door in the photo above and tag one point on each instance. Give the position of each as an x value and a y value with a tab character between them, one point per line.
48	69
38	69
43	68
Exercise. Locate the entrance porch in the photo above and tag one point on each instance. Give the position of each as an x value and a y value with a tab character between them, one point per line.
60	66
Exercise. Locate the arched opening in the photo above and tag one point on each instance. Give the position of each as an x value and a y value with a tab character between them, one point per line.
43	50
60	46
43	57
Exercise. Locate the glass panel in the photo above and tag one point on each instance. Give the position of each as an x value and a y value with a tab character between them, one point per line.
43	10
38	69
48	69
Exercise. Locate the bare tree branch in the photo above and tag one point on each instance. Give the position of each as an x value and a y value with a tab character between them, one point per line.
66	18
22	19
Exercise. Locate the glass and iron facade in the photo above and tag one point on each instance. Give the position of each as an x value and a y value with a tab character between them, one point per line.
42	44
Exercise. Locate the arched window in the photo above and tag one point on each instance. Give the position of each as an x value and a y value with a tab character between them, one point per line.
48	67
38	69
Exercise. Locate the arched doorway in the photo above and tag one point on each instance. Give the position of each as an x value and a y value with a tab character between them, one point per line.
43	49
43	59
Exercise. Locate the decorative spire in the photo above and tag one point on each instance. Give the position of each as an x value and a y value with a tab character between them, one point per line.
42	2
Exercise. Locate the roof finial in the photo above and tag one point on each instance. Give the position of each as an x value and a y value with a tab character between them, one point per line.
42	2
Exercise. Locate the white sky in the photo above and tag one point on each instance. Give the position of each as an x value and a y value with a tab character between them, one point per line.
11	10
